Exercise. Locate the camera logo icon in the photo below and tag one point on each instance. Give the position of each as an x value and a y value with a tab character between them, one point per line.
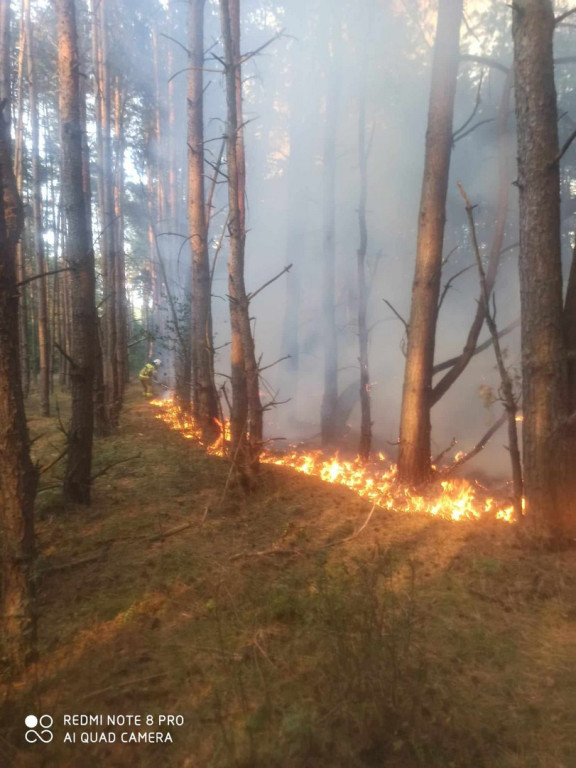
39	729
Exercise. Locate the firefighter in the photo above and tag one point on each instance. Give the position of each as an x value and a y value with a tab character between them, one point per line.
148	375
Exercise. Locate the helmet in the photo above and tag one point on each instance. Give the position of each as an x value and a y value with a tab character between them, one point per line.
157	362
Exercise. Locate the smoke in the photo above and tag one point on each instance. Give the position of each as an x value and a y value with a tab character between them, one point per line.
285	92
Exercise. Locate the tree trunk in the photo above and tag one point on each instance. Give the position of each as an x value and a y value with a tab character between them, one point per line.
105	188
570	331
17	473
121	311
37	215
365	411
246	416
203	388
414	461
550	501
80	259
328	417
19	173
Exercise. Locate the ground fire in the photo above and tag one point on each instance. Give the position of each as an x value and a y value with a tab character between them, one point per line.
452	499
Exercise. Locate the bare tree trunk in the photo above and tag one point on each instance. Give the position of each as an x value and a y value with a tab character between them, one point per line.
105	185
37	214
570	331
17	473
19	172
297	212
203	388
246	416
549	485
328	418
365	412
80	258
120	260
414	461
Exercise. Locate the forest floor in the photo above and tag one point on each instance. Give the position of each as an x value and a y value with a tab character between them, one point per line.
418	642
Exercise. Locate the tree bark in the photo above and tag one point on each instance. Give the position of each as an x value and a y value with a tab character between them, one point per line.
549	489
414	461
17	473
365	409
121	310
80	259
246	416
108	420
19	173
37	215
203	388
328	417
570	330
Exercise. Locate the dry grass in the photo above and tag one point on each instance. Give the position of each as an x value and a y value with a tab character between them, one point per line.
419	643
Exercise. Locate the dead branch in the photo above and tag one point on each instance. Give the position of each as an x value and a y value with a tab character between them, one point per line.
48	488
473	113
225	393
137	341
560	19
253	295
274	404
65	354
44	274
49	466
169	532
247	56
460	364
266	552
189	69
506	382
437	459
473	128
173	39
271	365
75	563
217	171
173	234
446	258
480	348
449	284
478	447
218	249
169	294
113	464
564	148
485	60
356	533
398	315
125	684
104	300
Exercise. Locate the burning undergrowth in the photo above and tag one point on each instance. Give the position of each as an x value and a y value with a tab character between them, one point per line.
450	499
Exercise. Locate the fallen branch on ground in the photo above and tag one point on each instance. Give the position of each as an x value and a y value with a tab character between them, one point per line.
264	552
114	464
169	532
127	683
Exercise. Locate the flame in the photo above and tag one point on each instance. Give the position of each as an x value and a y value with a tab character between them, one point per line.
375	481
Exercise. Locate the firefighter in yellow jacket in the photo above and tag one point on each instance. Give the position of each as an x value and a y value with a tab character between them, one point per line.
148	375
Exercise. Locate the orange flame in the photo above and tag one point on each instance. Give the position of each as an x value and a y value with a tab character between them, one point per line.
376	481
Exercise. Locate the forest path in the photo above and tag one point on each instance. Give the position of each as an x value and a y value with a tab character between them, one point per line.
405	643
